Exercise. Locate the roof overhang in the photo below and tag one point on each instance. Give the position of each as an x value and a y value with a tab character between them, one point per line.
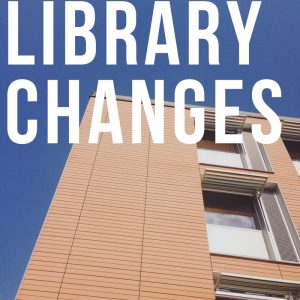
291	131
234	124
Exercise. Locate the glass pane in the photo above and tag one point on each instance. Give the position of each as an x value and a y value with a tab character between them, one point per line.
230	220
230	210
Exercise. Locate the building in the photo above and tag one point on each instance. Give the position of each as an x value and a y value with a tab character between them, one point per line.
173	221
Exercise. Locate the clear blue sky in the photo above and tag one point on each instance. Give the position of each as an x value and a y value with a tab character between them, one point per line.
29	174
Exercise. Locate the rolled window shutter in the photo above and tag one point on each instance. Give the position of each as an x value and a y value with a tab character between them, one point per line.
253	152
278	227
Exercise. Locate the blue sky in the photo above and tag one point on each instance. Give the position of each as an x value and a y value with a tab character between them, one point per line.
29	173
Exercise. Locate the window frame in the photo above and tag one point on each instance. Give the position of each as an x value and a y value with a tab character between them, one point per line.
266	229
242	152
252	208
239	147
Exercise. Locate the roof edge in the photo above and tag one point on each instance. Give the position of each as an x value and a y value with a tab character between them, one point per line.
188	106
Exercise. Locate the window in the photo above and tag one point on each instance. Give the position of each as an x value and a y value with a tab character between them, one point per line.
294	151
250	154
251	226
218	154
234	225
230	210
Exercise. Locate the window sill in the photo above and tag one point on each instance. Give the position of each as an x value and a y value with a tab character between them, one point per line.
256	259
236	168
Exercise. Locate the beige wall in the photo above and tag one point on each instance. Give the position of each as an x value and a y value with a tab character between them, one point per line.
126	222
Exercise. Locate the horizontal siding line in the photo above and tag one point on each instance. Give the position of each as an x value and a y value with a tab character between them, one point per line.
64	296
179	294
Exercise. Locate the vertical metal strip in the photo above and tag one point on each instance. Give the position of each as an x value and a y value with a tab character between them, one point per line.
252	151
278	227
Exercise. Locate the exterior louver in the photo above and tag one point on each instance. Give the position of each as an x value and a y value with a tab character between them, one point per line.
278	226
233	182
291	131
233	124
242	283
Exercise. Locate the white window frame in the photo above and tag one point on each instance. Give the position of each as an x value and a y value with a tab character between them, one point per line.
263	223
244	157
270	242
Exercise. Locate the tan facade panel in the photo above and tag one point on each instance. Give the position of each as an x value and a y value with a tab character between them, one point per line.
128	221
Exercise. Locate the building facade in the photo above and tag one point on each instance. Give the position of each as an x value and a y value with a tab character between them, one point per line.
172	221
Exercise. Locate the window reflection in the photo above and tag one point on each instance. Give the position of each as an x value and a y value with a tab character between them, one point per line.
230	210
233	225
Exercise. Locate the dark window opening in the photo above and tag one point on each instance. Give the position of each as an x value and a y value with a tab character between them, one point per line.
294	149
230	210
208	142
